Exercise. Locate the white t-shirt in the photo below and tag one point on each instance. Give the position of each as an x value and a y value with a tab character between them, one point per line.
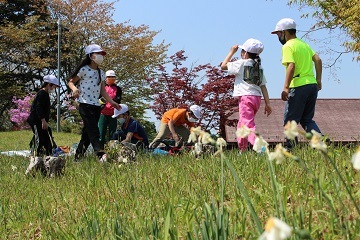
242	88
89	85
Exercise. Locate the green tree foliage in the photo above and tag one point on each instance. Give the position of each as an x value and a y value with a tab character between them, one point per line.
331	14
23	34
130	49
29	44
17	11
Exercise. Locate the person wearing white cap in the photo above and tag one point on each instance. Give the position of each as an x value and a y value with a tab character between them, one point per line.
87	87
107	124
130	130
40	115
173	121
249	86
301	86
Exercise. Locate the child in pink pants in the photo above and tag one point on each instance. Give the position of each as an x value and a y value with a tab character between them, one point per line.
249	86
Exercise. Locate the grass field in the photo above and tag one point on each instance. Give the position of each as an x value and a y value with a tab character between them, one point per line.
180	197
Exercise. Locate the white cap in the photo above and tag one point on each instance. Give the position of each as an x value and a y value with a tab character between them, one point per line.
252	46
196	110
94	48
124	109
110	73
284	24
52	79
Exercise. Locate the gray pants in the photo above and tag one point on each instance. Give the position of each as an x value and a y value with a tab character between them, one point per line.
164	132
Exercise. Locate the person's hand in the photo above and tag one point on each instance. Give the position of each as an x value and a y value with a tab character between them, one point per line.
175	137
234	48
319	86
267	110
44	125
115	105
76	93
285	94
178	140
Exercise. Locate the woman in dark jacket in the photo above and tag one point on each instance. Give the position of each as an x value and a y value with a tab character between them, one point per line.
39	117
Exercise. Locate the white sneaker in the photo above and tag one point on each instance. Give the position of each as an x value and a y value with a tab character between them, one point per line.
103	158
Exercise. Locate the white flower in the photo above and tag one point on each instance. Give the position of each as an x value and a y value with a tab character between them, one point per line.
275	229
243	131
197	148
317	142
221	143
122	159
356	159
260	144
194	132
14	168
206	138
278	154
291	130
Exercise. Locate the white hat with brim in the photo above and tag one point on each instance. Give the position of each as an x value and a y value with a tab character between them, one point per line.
124	109
196	110
252	46
110	73
284	24
51	79
94	48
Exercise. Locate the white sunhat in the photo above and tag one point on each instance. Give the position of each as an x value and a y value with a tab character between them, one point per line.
110	73
94	48
196	110
51	79
124	109
284	24
252	46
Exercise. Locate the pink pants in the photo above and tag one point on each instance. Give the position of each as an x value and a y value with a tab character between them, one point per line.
248	107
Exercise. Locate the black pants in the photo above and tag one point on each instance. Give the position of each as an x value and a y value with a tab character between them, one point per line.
90	115
45	146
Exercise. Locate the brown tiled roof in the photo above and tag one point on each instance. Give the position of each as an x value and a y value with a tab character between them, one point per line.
339	119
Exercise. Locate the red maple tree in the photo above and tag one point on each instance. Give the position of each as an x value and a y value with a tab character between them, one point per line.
204	85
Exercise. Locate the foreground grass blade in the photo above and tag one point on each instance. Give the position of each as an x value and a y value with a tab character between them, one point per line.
244	193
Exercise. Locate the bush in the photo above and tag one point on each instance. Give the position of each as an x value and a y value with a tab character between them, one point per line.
70	126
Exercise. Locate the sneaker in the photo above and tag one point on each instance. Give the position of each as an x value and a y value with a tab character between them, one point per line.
78	157
102	159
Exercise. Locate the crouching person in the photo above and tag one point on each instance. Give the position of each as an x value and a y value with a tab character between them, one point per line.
173	121
129	130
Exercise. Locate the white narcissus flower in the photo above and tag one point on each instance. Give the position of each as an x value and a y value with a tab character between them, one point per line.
243	131
317	142
194	132
260	145
197	148
356	159
206	138
275	229
278	154
221	143
291	130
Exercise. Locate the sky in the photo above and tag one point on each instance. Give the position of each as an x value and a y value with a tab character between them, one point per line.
206	30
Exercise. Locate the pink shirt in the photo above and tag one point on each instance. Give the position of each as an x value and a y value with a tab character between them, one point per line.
108	110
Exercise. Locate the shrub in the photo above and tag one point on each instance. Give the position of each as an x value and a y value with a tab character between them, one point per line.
21	112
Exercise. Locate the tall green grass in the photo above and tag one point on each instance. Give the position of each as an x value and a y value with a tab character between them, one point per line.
180	197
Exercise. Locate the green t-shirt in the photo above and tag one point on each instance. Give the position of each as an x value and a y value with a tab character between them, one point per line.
298	52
